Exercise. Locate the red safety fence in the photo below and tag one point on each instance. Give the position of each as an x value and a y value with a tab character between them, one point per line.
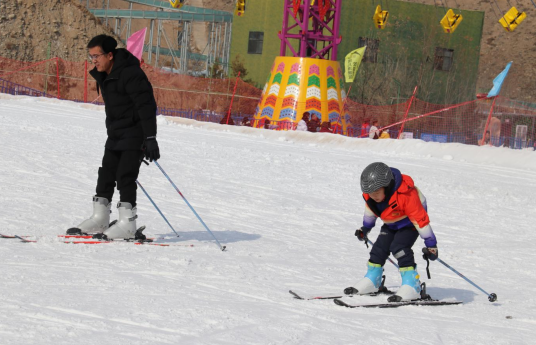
507	122
69	80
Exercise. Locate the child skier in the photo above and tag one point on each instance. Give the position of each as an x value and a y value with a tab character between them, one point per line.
394	198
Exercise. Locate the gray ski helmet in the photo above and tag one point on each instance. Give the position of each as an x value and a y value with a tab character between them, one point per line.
375	176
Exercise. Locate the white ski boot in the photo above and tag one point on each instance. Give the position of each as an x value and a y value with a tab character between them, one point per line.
125	227
411	286
370	284
99	220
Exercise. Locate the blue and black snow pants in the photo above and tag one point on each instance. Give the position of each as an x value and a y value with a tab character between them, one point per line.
398	242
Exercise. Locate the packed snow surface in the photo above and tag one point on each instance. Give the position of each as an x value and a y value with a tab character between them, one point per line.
286	205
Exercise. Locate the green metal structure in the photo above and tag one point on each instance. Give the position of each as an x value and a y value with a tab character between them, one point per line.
182	58
187	16
167	6
411	50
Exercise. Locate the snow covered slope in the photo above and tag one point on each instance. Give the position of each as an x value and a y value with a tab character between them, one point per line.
285	204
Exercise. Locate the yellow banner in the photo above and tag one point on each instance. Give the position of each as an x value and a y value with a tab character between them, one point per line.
352	62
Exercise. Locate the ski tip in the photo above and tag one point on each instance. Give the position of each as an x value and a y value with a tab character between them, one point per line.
492	297
296	296
25	240
7	236
339	302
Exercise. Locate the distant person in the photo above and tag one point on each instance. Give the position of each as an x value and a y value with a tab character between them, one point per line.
325	127
506	129
130	109
365	128
486	139
385	134
374	132
494	128
313	125
268	125
302	124
227	120
245	122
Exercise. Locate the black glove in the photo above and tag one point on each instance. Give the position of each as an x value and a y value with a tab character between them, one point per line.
151	150
430	253
362	234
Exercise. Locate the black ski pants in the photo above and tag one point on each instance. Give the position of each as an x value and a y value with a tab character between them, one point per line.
398	242
121	167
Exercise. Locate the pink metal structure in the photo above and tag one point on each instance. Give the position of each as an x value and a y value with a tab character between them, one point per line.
315	26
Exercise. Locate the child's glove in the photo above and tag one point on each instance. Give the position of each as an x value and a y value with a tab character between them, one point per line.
430	253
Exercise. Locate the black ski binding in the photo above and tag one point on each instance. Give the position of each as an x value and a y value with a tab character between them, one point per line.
424	296
349	291
75	232
100	236
78	232
139	236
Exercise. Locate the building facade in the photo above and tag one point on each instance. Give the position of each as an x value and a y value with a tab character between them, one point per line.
412	50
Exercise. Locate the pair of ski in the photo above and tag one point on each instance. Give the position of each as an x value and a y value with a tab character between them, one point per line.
88	239
425	299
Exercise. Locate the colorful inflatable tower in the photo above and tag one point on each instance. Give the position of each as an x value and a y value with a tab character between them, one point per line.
309	78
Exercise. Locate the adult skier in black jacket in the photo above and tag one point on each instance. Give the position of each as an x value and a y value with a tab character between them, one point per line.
131	125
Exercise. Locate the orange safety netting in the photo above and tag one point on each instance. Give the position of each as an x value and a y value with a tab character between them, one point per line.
70	80
509	123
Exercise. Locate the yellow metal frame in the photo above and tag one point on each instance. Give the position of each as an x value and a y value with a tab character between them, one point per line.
176	3
512	19
240	8
380	17
450	21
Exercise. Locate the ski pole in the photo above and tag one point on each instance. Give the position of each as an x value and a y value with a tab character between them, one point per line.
147	194
491	297
391	261
190	206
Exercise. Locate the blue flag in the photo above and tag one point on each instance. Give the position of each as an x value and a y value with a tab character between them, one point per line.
498	81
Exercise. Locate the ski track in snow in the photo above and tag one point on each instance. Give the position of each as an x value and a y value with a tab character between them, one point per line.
285	204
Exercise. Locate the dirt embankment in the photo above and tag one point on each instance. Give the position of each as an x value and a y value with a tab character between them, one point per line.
31	30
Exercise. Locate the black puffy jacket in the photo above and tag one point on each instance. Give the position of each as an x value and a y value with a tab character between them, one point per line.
129	103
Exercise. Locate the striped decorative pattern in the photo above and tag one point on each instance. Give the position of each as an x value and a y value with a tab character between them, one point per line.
334	109
290	100
270	101
313	97
297	85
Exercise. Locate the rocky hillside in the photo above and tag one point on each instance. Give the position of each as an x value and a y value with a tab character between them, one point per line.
28	27
499	46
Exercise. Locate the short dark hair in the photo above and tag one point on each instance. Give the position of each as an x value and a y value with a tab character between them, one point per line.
105	42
